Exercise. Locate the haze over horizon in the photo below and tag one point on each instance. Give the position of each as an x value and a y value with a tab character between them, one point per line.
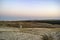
29	9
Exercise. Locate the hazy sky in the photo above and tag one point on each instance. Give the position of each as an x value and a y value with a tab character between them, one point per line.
29	9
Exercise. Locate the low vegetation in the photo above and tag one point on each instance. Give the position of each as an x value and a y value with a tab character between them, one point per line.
29	30
30	24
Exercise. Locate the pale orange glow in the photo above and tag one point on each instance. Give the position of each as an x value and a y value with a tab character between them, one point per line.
32	8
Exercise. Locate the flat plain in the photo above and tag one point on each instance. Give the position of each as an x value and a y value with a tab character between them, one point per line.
29	31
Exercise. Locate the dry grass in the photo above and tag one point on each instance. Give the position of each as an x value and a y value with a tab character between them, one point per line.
28	25
30	34
30	31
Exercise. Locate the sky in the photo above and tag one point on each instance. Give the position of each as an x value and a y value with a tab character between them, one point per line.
29	9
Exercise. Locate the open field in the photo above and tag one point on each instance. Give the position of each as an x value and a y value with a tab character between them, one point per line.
32	24
26	30
29	33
